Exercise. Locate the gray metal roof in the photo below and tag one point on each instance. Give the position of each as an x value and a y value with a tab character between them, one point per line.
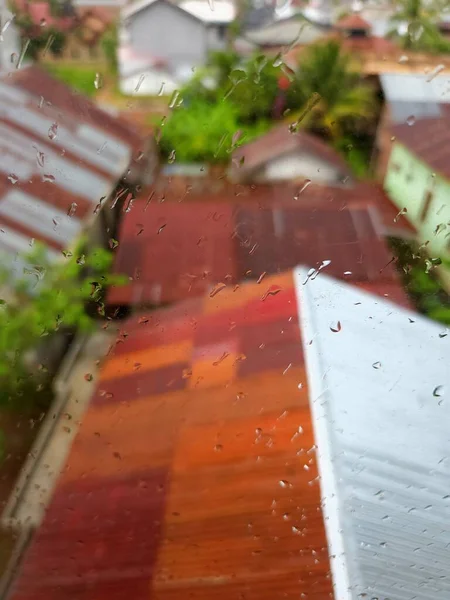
416	87
380	394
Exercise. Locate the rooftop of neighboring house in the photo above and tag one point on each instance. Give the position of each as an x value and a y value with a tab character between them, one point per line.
177	245
241	441
278	142
218	12
61	157
429	139
353	22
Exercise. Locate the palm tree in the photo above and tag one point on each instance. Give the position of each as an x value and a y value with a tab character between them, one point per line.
329	91
415	26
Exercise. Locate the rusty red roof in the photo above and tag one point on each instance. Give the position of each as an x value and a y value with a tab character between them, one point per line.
353	22
194	471
279	141
429	140
175	250
59	154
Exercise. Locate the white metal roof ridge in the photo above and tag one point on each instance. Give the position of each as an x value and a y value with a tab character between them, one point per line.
379	391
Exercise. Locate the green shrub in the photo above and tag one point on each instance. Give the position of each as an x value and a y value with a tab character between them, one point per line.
80	78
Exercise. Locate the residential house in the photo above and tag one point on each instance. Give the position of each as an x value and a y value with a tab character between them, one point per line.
288	26
265	440
66	169
282	155
10	41
194	239
414	155
162	43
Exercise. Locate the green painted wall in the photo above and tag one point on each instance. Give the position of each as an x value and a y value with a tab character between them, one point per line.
407	181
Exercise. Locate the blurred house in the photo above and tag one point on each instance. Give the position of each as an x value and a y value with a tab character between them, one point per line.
62	162
268	441
9	39
282	155
187	244
414	158
162	42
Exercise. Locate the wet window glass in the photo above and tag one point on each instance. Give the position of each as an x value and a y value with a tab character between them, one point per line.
224	299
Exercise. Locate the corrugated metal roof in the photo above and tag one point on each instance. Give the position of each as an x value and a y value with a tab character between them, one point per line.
194	473
415	88
168	494
176	250
380	408
59	153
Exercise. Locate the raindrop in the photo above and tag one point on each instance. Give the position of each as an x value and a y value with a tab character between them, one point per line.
211	4
278	61
272	291
53	131
22	54
402	212
335	328
377	365
72	209
172	156
98	81
312	273
411	120
415	31
40	157
443	334
139	83
284	483
403	59
438	391
48	178
161	89
286	517
13	178
287	368
261	277
174	98
217	362
306	183
435	72
113	243
218	448
296	530
88	377
161	229
216	289
50	40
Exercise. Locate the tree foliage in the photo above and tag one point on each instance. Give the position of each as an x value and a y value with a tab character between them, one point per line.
420	29
342	102
50	38
109	44
46	298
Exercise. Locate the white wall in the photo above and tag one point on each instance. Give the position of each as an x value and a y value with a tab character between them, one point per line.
297	165
150	85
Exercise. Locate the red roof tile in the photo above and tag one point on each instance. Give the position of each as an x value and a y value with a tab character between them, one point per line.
353	22
171	250
277	142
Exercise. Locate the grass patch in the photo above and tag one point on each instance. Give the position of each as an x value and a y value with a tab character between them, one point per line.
80	78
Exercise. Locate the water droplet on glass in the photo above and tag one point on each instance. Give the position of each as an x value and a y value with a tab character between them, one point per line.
313	273
53	131
284	483
22	54
376	365
139	83
48	178
402	212
335	328
272	291
411	120
13	178
88	377
306	183
161	229
161	89
174	98
435	72
217	288
438	391
72	209
98	81
113	243
171	158
218	448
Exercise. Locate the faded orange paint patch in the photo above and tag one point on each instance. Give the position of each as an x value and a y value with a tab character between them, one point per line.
149	360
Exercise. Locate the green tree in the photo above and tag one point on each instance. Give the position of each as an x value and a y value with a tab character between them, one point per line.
421	32
327	94
202	131
109	44
45	299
